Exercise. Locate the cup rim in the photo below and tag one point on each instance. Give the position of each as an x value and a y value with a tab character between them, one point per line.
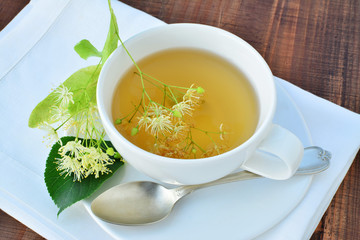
106	120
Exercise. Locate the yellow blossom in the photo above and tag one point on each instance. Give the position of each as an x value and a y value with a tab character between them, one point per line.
155	110
192	96
52	135
144	121
82	161
160	124
184	108
64	96
68	165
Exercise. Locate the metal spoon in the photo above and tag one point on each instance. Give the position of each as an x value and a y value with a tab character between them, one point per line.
136	203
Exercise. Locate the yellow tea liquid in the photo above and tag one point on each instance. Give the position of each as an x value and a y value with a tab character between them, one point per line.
228	101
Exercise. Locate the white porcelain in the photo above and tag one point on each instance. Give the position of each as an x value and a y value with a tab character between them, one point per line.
272	151
235	211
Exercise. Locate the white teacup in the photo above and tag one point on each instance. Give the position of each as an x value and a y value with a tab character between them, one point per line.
271	151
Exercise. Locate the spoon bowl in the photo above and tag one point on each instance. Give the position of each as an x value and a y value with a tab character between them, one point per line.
144	202
134	203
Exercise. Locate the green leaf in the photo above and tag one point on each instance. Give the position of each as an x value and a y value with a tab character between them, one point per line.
112	40
85	49
83	85
63	190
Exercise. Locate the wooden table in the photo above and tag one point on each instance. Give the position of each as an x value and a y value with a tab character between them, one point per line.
312	44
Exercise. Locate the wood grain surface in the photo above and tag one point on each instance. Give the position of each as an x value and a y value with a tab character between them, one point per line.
312	44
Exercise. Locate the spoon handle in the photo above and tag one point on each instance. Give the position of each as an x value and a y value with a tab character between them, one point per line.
315	158
234	177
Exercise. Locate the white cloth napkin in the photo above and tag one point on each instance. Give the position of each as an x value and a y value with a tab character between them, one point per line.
36	55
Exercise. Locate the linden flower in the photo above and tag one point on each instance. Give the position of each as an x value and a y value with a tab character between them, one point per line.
87	160
91	122
144	121
192	96
183	107
95	117
169	151
87	121
103	157
215	150
156	110
68	165
98	168
64	95
179	130
74	148
221	131
82	161
95	162
52	134
160	124
80	122
59	113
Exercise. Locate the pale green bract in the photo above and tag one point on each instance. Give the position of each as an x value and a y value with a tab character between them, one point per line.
112	39
72	175
83	86
85	49
82	83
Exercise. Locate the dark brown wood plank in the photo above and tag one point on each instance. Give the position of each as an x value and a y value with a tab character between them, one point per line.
313	44
11	229
9	9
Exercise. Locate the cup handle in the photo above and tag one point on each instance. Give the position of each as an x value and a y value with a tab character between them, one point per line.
278	156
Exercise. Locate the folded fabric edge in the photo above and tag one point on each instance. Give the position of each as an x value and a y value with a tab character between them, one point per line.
284	81
20	211
26	29
328	198
13	205
340	174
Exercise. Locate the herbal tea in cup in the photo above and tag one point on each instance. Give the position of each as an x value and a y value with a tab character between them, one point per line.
214	118
189	103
